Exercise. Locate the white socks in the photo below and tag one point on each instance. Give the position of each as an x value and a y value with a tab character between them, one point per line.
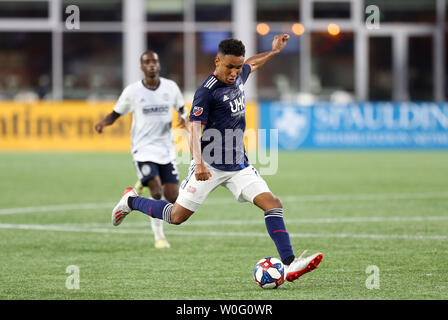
157	227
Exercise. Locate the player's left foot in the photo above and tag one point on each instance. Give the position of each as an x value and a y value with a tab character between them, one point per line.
121	210
161	243
302	265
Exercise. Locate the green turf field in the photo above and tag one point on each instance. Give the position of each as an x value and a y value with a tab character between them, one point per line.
387	209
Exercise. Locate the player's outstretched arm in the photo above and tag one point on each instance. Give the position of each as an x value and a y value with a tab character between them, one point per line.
260	59
107	121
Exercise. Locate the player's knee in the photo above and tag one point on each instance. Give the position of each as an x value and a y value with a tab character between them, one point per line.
267	201
276	202
178	215
177	220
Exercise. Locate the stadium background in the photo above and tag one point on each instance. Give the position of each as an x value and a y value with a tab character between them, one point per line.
338	53
343	85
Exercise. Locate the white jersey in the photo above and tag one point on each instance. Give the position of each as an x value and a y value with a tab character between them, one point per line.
151	134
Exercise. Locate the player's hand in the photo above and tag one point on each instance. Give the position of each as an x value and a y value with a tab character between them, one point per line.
201	172
279	42
99	127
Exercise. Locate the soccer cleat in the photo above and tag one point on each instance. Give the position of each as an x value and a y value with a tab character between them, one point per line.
139	187
302	265
122	209
161	243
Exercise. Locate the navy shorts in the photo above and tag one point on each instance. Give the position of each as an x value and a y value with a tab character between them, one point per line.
148	170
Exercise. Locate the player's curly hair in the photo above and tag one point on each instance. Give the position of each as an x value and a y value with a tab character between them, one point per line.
232	46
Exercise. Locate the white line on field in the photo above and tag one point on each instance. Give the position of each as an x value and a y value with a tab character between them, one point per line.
220	201
58	207
68	228
287	220
325	220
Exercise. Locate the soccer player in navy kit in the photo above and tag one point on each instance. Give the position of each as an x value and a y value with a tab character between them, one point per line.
219	157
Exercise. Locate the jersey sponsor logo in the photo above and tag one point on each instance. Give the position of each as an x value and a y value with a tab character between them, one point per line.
197	111
156	109
237	105
223	147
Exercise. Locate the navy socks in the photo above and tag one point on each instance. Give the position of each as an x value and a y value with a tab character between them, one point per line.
159	209
277	230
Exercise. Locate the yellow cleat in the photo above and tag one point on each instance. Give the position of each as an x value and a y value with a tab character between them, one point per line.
161	244
139	187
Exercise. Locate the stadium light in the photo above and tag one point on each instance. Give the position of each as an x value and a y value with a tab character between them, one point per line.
333	29
263	29
298	29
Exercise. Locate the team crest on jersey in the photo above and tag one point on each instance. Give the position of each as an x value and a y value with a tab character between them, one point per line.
241	87
197	111
191	189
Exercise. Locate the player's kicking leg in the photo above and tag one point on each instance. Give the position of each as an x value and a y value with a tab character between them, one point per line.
257	191
159	209
122	209
294	267
190	196
302	265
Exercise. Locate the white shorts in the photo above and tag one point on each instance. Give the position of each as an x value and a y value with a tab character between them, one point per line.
245	185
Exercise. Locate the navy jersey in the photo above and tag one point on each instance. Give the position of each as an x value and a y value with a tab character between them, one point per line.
221	108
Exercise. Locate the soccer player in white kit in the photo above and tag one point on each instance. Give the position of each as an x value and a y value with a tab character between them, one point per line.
219	107
151	101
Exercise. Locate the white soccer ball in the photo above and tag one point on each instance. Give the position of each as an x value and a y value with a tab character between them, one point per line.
269	273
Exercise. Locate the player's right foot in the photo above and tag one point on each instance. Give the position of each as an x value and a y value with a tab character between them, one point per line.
302	265
122	209
161	243
139	187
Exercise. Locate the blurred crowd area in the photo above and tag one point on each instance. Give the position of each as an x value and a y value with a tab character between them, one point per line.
92	62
